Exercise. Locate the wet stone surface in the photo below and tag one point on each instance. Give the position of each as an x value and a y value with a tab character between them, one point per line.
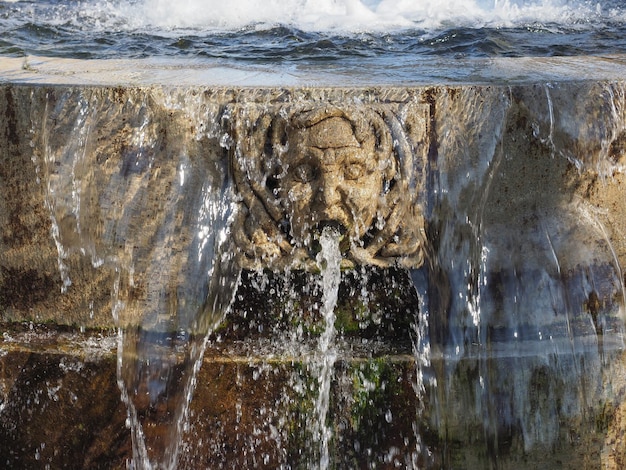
510	195
60	405
377	305
59	400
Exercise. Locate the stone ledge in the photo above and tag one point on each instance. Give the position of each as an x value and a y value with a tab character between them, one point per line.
506	153
33	70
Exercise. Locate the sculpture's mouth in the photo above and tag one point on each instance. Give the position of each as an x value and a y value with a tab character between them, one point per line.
331	224
334	225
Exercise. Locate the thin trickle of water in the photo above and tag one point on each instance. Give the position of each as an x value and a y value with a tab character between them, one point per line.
328	260
588	132
62	165
422	354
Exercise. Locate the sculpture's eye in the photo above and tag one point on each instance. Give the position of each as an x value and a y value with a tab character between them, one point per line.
354	171
304	173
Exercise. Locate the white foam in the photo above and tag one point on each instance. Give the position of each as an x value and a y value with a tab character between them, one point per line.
365	15
337	16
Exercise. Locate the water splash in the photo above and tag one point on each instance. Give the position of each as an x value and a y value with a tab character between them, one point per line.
351	16
364	15
389	35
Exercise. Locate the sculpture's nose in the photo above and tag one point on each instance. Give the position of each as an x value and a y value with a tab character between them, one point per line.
328	191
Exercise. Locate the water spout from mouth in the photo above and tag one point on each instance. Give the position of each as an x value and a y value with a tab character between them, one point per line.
324	230
329	261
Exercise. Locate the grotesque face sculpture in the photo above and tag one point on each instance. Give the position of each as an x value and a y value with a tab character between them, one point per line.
298	170
333	176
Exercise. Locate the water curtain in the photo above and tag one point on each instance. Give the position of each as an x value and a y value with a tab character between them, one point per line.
460	216
153	208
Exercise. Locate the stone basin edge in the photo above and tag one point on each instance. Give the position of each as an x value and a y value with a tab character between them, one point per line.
421	71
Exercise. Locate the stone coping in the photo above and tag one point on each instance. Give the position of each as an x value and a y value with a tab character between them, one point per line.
223	73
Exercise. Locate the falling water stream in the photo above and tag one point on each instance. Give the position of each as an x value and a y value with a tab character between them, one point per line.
328	259
171	281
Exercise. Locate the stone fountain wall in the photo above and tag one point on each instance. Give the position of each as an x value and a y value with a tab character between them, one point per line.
407	175
64	146
545	146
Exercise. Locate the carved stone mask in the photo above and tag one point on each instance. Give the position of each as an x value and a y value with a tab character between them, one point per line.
299	170
331	177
